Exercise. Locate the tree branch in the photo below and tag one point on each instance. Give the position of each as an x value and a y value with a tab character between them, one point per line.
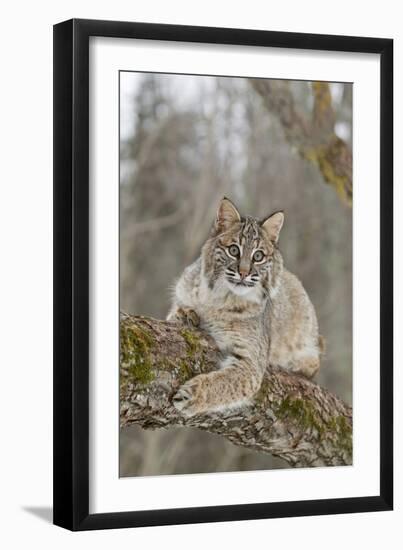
314	139
290	417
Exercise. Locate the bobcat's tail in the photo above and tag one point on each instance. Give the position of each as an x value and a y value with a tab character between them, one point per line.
322	344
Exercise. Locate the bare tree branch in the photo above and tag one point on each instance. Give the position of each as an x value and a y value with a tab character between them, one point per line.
314	139
290	417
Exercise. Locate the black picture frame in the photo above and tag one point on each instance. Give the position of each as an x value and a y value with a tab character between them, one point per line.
71	274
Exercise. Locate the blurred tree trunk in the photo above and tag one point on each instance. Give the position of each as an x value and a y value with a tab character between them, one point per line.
290	417
314	139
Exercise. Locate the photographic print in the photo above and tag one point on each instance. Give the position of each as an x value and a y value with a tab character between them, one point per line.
235	274
211	307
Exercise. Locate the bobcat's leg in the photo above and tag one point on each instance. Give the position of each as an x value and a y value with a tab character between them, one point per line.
231	386
184	315
307	366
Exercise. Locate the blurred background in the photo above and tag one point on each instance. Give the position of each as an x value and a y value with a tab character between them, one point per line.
185	141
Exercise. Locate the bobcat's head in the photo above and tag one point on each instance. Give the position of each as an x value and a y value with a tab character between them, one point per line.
241	251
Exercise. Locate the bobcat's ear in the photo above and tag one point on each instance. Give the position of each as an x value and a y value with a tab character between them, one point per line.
273	224
227	214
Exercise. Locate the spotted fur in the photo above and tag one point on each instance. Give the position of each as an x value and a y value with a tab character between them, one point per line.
258	312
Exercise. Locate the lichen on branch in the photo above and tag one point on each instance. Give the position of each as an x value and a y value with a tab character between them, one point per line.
290	417
315	138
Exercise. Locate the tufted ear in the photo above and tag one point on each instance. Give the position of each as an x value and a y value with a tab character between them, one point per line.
273	224
227	214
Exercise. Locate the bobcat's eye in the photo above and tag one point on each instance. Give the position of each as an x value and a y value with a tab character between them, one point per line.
234	250
258	256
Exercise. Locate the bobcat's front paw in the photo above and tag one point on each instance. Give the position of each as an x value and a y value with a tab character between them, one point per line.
187	316
190	398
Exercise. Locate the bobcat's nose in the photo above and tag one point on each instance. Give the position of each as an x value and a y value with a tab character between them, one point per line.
243	272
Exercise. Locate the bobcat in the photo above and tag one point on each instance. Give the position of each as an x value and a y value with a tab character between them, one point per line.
256	311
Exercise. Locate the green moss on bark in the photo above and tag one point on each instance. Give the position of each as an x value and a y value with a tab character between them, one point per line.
135	353
263	392
306	418
324	156
344	430
191	340
301	412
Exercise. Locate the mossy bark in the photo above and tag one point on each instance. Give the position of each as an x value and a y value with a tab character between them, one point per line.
314	139
290	417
